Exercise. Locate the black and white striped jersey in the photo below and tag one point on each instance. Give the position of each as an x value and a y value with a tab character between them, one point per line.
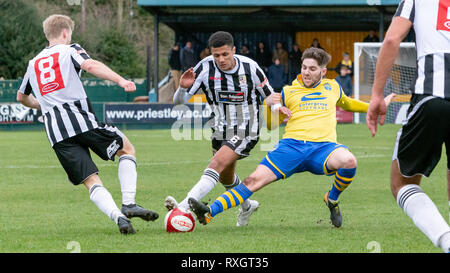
431	20
234	96
54	78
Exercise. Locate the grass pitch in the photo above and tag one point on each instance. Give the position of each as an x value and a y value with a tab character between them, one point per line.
40	211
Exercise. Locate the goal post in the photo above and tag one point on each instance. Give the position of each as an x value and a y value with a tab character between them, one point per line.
400	79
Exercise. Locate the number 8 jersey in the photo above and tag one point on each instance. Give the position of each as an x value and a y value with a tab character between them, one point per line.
54	78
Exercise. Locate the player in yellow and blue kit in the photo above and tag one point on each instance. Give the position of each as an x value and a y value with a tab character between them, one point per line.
309	143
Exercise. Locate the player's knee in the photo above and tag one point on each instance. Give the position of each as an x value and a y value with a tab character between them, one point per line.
350	162
216	165
128	149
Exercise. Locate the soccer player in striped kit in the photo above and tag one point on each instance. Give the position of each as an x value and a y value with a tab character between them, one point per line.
71	125
234	86
419	142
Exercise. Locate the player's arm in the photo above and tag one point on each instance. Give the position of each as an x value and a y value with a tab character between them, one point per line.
352	105
28	100
278	111
190	83
397	31
182	95
270	98
81	59
24	95
102	71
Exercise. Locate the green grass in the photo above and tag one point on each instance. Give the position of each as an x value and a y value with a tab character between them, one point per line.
40	211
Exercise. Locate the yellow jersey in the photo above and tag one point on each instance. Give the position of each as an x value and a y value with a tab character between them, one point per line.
314	109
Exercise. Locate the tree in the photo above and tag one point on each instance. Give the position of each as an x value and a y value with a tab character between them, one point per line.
21	37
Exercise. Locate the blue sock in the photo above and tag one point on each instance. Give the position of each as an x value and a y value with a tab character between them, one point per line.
342	179
232	198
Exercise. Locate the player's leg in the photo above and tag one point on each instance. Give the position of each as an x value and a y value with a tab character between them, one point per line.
127	174
101	197
108	142
419	207
221	160
417	151
77	162
278	164
229	180
343	164
261	177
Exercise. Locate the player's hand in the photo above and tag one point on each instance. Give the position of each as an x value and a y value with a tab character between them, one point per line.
377	108
129	86
285	111
388	99
273	99
188	78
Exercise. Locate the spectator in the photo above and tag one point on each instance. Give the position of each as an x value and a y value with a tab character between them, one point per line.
175	64
277	75
281	54
263	57
245	52
345	80
371	38
347	62
205	53
315	43
187	57
295	62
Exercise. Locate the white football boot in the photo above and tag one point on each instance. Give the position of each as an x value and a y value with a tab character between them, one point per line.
170	203
244	215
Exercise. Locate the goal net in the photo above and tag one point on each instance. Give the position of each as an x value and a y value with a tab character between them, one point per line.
400	79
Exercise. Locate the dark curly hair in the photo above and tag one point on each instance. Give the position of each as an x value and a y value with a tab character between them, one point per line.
220	38
318	54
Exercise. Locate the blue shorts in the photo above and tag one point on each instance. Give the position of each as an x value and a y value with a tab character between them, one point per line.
295	156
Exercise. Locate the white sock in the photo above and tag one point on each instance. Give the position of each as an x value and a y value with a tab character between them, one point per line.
246	204
421	209
207	182
104	201
444	242
128	178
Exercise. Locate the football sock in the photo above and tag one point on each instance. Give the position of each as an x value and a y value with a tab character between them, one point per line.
101	197
236	182
342	179
246	204
128	178
206	183
421	209
231	198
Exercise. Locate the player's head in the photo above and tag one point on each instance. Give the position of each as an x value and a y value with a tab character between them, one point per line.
314	65
58	27
221	44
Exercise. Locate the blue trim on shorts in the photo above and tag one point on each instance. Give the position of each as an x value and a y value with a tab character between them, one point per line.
295	156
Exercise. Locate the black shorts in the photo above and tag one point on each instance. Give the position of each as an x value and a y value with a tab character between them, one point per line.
73	153
241	146
419	142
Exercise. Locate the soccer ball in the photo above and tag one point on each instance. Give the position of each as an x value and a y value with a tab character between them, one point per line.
179	220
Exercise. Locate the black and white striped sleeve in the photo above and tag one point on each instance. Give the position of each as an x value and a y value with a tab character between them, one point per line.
200	74
25	88
78	55
406	9
262	83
